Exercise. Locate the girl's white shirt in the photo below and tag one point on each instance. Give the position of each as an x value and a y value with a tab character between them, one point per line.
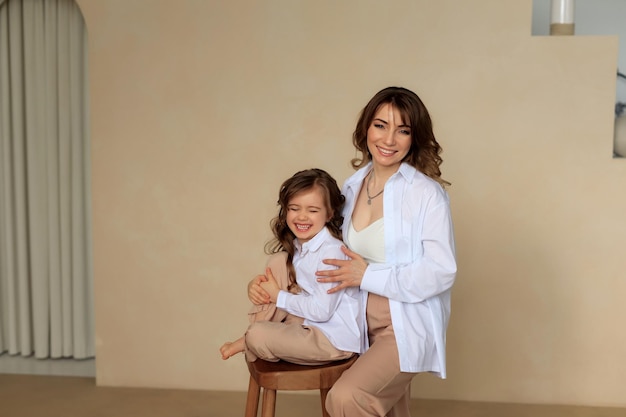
419	268
340	315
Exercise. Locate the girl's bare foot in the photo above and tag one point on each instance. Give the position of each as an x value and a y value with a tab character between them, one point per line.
229	349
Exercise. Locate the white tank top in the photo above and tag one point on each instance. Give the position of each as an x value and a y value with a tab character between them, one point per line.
369	242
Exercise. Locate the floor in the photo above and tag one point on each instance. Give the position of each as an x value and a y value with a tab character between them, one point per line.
71	396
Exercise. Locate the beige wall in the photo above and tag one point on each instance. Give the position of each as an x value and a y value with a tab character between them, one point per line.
201	108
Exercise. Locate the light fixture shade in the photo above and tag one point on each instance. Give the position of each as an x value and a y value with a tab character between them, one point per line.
562	11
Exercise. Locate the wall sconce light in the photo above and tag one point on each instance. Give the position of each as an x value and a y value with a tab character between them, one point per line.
562	17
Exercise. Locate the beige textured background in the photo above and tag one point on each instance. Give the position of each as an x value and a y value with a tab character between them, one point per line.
200	109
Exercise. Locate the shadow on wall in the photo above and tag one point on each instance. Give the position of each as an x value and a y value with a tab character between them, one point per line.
619	146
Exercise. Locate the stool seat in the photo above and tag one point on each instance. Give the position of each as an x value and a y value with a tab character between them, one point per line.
281	375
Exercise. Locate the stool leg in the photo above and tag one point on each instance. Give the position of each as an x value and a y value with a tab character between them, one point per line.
269	403
252	402
323	393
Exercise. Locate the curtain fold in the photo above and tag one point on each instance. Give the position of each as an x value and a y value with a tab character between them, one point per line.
46	279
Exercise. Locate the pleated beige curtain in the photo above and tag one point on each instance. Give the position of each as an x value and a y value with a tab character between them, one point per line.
46	279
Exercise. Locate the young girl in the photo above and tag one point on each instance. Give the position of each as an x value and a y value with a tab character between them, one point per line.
300	322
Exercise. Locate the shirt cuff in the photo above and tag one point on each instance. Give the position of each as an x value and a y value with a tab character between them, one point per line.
281	300
374	280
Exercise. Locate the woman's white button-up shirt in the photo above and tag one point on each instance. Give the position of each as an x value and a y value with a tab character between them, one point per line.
420	265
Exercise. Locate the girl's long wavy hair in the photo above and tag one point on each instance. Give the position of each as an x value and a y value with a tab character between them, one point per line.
424	152
283	236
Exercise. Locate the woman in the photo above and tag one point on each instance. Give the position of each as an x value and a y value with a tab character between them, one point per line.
398	227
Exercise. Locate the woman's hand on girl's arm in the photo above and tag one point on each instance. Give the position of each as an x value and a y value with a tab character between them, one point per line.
256	293
349	273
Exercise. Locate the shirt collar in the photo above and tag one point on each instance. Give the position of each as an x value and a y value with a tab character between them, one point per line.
407	171
313	244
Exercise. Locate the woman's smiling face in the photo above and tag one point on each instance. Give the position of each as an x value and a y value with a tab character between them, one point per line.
388	137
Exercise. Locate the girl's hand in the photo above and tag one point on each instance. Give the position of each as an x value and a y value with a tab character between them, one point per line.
270	285
256	293
348	273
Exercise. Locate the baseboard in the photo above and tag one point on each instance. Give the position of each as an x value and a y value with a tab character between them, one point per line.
15	364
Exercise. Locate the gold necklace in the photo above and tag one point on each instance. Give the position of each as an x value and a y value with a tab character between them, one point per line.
367	190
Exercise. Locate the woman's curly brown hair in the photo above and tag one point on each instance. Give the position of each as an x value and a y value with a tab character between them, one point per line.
424	152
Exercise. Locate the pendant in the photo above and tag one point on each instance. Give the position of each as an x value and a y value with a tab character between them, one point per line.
369	201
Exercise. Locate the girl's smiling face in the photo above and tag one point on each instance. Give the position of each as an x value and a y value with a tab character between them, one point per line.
307	214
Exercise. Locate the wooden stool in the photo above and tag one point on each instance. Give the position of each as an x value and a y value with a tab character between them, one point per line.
281	375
